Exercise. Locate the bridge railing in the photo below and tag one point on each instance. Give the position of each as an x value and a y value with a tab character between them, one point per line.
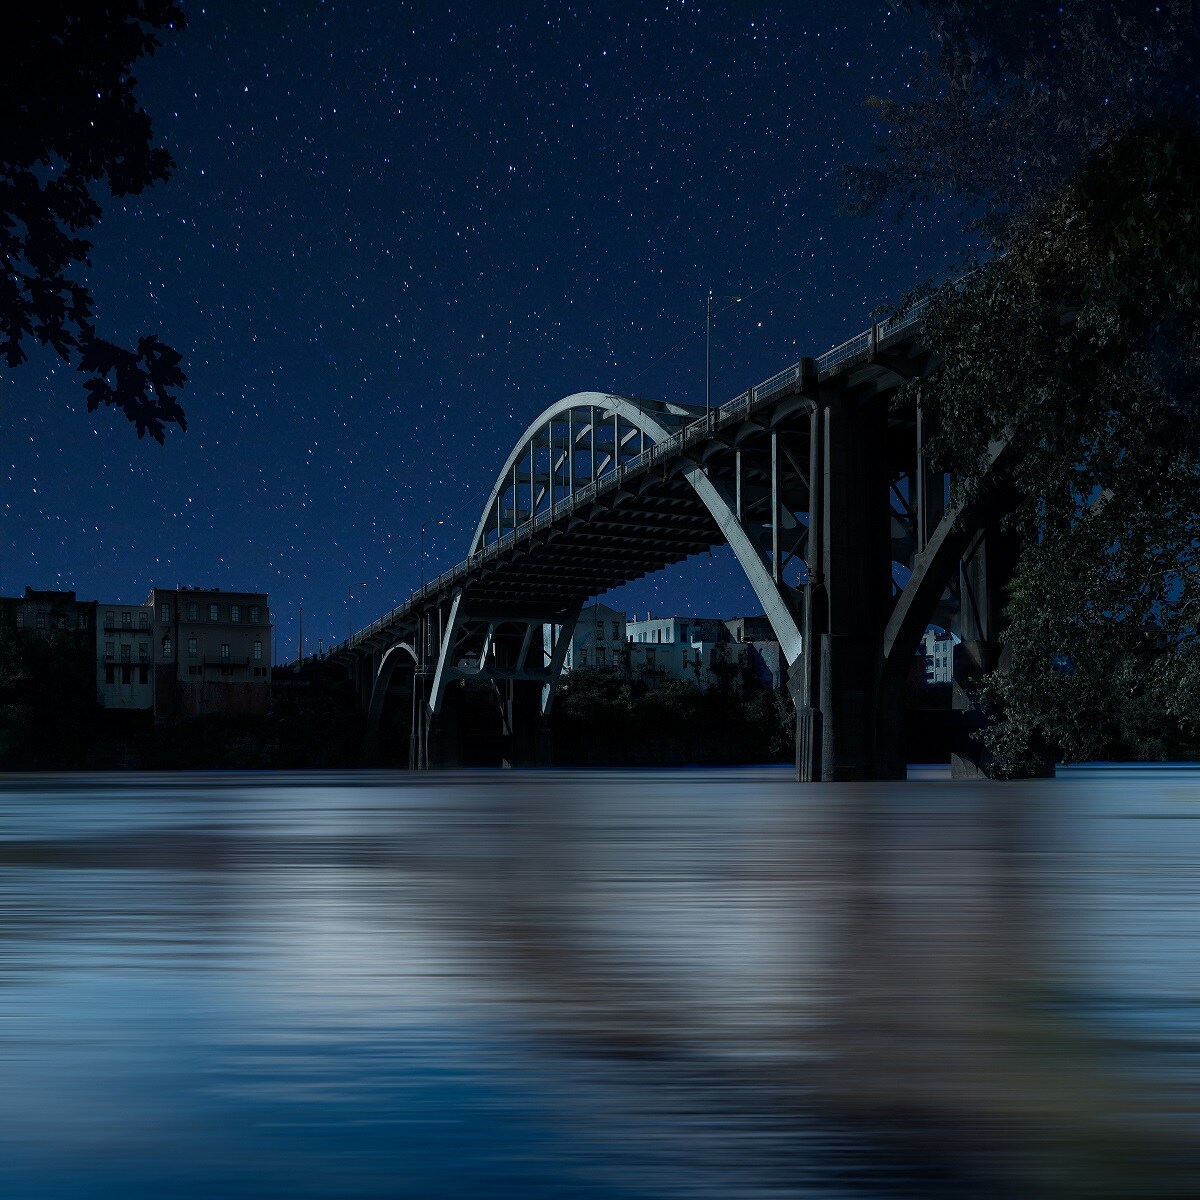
848	349
666	448
770	386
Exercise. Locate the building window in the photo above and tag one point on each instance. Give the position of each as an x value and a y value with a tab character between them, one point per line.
235	614
255	614
214	612
126	654
127	620
143	652
193	670
109	620
616	628
650	657
224	652
168	647
193	611
191	647
258	651
164	613
126	674
20	618
110	673
583	656
599	656
110	652
41	620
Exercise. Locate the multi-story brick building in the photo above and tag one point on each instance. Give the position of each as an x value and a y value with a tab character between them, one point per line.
124	655
212	652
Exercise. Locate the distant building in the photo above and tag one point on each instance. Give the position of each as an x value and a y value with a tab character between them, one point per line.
598	640
765	661
211	652
652	650
674	631
938	649
48	612
125	655
750	629
185	652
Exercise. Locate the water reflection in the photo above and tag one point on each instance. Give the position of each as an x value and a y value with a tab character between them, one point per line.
634	985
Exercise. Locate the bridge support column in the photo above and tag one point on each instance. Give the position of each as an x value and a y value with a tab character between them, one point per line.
526	728
848	600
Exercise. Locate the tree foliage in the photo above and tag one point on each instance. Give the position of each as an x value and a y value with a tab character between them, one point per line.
1071	129
609	718
1018	93
48	704
72	125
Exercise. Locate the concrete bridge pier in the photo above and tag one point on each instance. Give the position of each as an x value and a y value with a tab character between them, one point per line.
848	599
526	737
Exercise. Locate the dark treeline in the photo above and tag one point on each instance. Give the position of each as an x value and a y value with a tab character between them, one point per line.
51	719
601	718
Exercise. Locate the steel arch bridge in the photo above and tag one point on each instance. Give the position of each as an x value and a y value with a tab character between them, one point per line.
820	486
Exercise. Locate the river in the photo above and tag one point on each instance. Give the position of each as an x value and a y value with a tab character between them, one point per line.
599	985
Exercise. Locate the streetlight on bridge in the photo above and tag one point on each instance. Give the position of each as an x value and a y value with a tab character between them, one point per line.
708	347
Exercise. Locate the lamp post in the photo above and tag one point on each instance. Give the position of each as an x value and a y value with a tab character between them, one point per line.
708	348
439	521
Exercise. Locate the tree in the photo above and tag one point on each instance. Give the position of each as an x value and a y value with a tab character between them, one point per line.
1019	93
71	123
48	703
1070	129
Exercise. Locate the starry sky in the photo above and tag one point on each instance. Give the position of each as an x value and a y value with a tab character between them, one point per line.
398	231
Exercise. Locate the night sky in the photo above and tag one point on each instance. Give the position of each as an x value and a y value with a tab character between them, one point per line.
398	231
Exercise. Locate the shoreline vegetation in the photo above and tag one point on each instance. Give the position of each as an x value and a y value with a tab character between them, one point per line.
50	721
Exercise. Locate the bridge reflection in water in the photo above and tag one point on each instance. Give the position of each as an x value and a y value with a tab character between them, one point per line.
683	984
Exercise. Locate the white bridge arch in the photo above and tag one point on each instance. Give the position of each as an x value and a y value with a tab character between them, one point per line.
575	442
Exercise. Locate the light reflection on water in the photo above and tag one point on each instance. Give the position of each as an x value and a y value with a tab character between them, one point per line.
599	985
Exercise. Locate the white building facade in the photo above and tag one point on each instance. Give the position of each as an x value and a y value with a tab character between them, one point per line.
938	646
698	649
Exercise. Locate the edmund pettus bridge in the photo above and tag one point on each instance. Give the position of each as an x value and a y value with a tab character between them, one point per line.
818	482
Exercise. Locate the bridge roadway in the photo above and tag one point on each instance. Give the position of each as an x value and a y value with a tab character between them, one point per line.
813	477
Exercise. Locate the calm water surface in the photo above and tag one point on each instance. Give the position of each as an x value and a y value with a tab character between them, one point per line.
713	984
